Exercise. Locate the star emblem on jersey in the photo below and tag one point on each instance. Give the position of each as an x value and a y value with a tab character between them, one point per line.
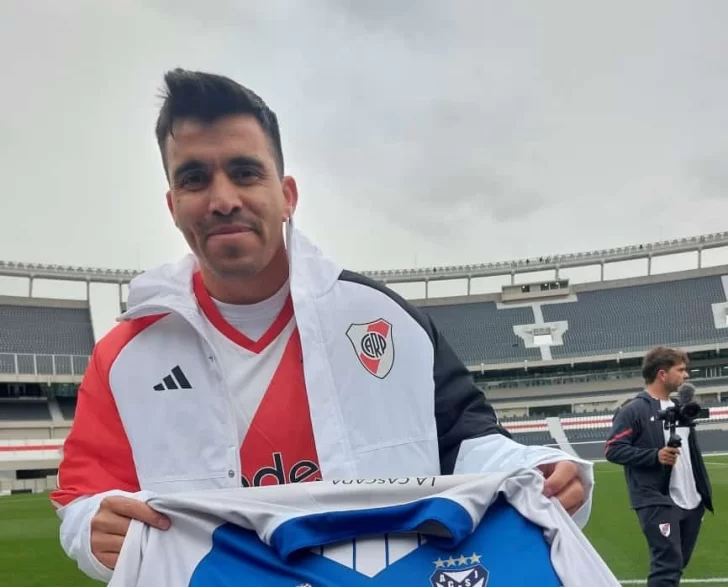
665	529
462	571
374	346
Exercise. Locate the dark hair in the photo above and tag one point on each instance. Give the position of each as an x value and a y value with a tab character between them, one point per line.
208	97
661	358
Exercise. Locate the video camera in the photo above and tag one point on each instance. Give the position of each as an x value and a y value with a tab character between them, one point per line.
682	414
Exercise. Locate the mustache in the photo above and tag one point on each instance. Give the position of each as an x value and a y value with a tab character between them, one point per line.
238	219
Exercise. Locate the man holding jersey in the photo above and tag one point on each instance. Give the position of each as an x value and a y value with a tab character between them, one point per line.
255	360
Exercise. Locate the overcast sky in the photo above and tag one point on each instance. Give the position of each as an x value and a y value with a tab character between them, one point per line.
421	132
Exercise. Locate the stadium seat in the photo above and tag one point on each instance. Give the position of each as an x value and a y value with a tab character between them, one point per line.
533	438
30	330
634	318
482	333
630	318
67	406
21	411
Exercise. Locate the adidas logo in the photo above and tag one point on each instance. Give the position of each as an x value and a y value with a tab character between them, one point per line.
175	380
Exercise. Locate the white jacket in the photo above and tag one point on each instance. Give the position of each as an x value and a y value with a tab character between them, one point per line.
415	412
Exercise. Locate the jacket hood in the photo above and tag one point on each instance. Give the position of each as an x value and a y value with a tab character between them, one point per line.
645	396
169	286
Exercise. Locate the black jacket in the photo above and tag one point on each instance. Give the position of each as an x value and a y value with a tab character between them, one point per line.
637	435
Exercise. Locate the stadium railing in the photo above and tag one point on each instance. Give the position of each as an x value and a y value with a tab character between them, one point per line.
538	380
38	364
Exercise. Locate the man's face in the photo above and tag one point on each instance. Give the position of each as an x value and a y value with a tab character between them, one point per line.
675	377
226	196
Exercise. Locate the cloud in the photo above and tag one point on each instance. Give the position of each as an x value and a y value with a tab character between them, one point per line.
711	174
445	131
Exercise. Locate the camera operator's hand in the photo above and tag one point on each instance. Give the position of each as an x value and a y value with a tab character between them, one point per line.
668	455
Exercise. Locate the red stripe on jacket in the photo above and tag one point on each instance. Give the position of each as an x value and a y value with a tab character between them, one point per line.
618	436
97	456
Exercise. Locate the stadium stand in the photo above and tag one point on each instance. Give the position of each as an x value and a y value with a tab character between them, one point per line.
529	431
713	441
24	411
605	321
534	438
587	435
67	406
632	318
481	332
537	420
45	331
556	360
44	337
44	350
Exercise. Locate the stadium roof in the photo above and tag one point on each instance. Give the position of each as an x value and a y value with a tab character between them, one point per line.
546	263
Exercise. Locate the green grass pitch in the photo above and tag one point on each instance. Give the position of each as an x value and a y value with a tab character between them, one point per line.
30	555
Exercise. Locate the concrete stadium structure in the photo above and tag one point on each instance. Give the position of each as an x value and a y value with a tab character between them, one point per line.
555	358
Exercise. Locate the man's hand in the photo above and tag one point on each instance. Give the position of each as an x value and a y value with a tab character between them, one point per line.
563	483
668	455
111	523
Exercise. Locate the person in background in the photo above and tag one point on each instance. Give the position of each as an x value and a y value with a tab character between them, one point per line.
670	514
257	360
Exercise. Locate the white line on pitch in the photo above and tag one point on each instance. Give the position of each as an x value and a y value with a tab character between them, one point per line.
682	581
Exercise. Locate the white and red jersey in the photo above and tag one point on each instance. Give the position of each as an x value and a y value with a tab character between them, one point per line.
350	381
266	382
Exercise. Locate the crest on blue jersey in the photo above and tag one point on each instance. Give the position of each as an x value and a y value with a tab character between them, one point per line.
465	571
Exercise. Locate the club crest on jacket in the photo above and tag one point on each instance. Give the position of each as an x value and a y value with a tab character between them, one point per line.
374	346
